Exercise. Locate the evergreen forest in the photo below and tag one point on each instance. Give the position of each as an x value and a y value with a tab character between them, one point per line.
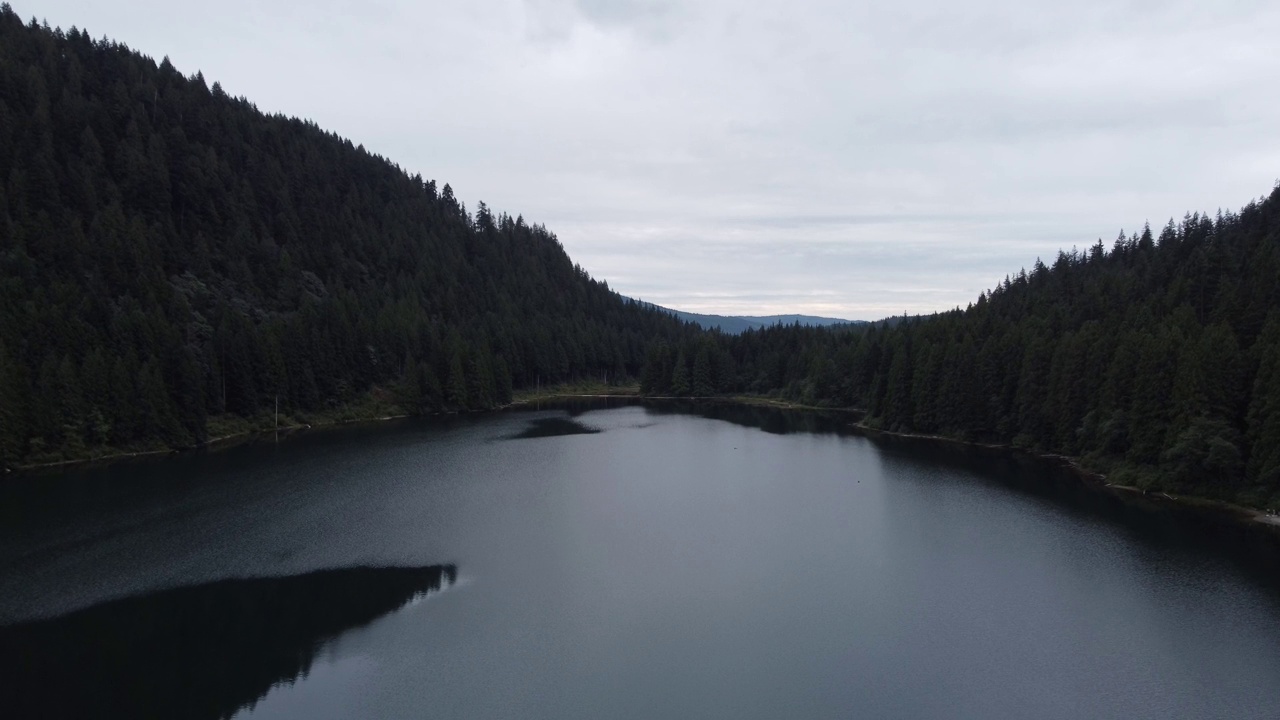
1156	360
171	259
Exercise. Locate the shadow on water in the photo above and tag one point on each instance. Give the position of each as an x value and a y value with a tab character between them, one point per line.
575	406
195	652
776	421
1215	533
1157	521
552	427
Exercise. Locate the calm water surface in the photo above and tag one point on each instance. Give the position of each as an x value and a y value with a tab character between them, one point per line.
626	562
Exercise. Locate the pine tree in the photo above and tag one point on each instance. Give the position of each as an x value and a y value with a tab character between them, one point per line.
701	382
13	408
681	384
457	392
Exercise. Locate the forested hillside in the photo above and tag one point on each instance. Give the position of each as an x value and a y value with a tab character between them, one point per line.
1157	359
169	253
171	257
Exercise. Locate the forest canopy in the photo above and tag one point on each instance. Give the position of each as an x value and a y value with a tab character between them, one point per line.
1156	359
171	257
169	253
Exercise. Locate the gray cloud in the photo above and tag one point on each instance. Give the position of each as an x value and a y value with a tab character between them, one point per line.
849	159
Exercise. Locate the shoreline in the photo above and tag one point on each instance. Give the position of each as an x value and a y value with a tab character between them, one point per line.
211	443
251	433
1254	515
627	393
1245	513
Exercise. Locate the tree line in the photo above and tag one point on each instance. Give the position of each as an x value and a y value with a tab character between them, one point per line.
1157	360
168	253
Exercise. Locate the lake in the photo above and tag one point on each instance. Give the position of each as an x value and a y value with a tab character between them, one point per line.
624	561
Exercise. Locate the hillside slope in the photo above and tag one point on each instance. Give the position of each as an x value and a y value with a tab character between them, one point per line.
1157	359
735	324
170	253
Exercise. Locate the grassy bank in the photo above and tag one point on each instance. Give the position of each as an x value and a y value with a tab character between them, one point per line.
772	402
584	389
375	405
378	404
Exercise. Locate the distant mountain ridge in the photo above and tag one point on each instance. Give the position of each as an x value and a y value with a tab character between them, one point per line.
1155	362
737	324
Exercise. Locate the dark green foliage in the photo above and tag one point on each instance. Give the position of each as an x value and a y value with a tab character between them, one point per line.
168	252
1160	358
1262	424
655	377
680	376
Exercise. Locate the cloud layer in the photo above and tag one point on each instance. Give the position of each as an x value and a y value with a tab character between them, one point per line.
855	160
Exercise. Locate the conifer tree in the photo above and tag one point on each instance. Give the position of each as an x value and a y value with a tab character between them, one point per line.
680	381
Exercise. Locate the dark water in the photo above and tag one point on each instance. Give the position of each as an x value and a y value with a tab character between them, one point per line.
623	562
198	651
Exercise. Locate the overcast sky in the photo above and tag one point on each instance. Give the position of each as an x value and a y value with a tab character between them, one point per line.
847	159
